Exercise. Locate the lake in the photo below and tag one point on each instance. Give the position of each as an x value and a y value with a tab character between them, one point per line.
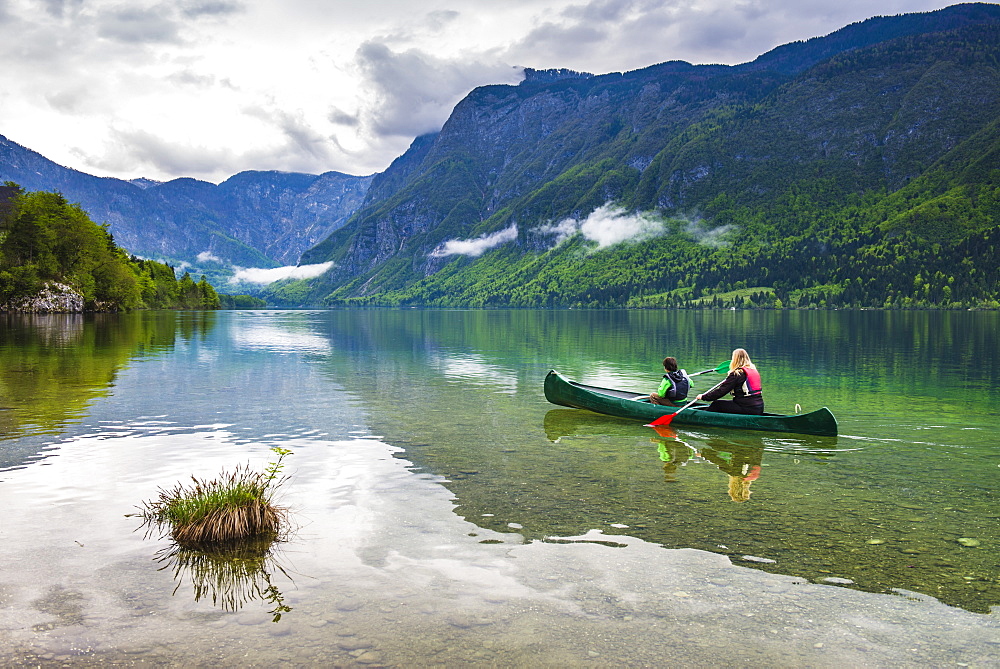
446	514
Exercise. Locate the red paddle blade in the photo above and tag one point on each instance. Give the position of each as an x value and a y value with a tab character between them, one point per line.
663	420
664	432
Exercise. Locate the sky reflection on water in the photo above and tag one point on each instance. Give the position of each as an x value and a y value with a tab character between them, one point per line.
404	559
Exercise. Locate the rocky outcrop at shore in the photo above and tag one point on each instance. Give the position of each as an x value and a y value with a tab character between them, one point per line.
53	298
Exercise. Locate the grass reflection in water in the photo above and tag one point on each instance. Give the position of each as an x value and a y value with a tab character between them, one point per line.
231	575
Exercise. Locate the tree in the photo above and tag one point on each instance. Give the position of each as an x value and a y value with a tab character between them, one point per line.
45	239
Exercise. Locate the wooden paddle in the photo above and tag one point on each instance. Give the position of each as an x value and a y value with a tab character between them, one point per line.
667	417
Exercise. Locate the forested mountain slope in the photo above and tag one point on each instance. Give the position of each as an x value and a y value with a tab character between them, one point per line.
856	169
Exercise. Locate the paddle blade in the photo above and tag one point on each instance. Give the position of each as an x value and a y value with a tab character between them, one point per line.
665	432
662	421
721	369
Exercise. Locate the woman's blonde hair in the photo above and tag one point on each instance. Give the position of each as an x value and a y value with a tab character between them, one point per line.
741	359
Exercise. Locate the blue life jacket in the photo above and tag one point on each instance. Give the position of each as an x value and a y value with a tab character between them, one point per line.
680	385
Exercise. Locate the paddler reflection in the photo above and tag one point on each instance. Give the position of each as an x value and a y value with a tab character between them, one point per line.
741	463
673	451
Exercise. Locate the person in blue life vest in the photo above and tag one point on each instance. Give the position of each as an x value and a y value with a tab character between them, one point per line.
743	381
674	386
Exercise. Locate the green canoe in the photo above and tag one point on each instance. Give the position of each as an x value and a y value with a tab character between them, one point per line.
629	404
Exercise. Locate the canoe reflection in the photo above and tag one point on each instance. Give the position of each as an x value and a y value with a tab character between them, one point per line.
233	575
561	423
738	454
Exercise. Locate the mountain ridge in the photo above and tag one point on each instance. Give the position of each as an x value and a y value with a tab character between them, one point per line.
680	140
180	219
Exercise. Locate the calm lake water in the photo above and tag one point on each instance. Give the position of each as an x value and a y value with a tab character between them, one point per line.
446	514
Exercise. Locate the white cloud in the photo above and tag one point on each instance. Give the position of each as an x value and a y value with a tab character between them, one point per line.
562	230
475	247
703	234
208	256
265	276
607	225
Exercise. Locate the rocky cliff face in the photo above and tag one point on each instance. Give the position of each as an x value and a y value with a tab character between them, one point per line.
252	219
53	298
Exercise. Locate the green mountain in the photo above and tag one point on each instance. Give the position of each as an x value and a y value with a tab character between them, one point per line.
856	169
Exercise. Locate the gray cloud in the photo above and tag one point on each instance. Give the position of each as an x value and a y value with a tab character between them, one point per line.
438	20
296	147
133	151
299	137
58	8
413	92
212	8
340	117
604	35
69	100
139	26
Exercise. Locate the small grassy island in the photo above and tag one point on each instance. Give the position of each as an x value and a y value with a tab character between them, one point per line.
234	507
224	532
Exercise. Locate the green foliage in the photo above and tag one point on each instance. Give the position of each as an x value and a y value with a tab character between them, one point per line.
241	302
45	239
235	506
798	253
292	292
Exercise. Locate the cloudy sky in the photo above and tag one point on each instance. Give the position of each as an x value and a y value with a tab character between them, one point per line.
208	88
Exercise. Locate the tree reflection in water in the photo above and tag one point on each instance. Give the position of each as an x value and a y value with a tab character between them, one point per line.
233	574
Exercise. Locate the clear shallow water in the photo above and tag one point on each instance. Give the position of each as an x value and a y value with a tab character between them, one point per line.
434	489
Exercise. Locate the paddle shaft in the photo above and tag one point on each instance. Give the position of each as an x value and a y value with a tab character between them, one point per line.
666	418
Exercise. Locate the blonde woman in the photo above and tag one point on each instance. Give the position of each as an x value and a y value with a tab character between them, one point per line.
743	381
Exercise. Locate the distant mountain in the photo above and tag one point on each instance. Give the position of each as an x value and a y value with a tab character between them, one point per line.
259	219
824	172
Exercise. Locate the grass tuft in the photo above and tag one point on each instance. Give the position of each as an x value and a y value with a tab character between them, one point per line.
232	507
